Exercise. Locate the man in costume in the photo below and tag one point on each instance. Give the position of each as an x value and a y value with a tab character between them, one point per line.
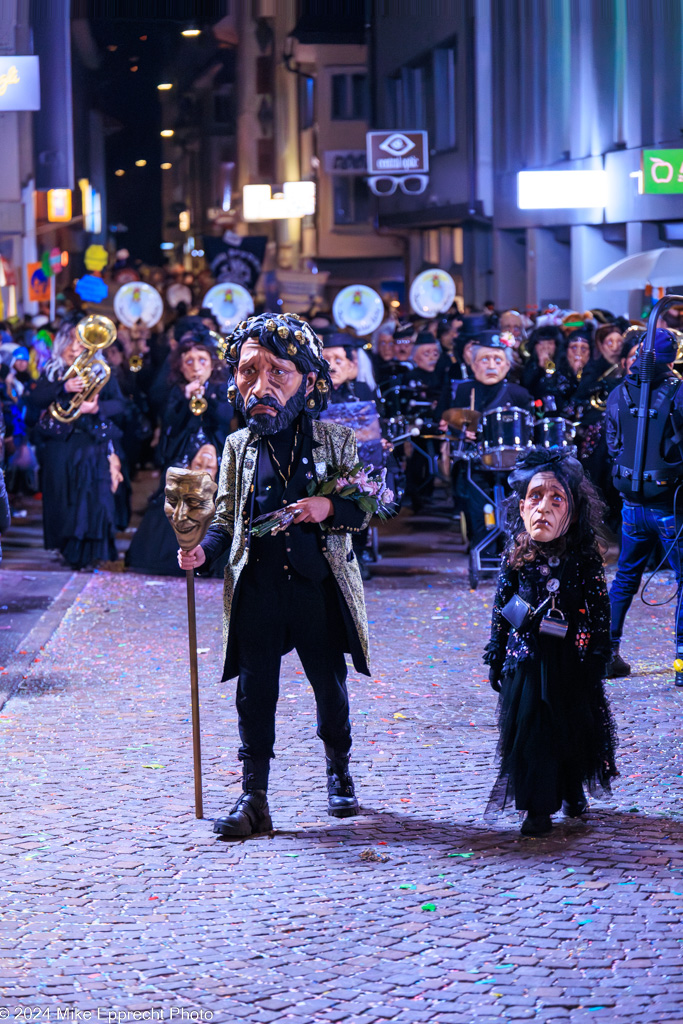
297	589
490	389
654	514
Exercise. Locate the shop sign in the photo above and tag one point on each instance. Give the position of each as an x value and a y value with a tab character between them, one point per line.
397	152
38	283
345	161
662	171
19	83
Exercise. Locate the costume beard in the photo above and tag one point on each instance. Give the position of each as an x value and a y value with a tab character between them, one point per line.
262	423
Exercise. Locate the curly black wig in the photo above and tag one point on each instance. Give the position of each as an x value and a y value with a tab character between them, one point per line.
586	507
287	336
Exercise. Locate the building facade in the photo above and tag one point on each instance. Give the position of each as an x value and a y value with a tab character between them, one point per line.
504	86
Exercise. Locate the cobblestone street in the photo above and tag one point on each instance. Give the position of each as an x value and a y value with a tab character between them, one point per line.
116	898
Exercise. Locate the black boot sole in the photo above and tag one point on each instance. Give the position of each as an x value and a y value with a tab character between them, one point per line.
343	812
264	831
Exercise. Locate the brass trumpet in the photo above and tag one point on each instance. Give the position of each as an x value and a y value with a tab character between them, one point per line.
135	364
198	403
95	333
550	368
598	400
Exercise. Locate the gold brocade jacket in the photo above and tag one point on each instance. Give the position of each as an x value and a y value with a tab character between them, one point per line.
334	446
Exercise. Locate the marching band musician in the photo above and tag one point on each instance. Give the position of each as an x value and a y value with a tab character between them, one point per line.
541	365
197	401
490	389
424	384
601	375
341	352
79	517
344	354
383	351
491	363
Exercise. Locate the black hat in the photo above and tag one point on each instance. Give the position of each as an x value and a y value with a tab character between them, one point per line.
195	326
425	338
404	333
562	462
287	336
337	339
473	326
491	339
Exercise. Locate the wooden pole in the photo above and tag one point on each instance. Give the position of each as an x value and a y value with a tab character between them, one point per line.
194	689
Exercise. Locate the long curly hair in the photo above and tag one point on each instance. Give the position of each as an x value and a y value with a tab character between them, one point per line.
585	535
287	336
56	366
218	369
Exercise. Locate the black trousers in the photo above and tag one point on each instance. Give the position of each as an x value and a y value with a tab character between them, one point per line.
278	610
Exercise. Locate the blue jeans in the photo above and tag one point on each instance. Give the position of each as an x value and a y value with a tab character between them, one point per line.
642	527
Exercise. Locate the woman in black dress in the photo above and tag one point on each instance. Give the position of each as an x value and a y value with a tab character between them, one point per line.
556	730
197	382
77	475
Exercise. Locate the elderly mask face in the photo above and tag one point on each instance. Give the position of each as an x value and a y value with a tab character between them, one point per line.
205	459
189	504
490	365
545	511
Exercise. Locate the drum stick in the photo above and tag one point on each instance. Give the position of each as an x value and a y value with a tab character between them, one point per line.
472	400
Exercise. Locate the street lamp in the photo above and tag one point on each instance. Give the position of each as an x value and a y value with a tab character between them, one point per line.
167	133
164	86
140	163
190	32
166	166
120	173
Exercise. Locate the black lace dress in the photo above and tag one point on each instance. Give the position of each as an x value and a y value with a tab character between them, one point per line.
556	729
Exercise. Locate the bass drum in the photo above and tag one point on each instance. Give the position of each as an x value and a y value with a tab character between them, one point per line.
505	433
553	433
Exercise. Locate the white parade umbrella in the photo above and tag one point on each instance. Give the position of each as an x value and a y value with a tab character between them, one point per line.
658	267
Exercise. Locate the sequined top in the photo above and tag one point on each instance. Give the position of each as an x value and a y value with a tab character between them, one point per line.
581	597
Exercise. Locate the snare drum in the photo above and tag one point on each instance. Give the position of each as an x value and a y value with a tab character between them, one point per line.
504	434
553	433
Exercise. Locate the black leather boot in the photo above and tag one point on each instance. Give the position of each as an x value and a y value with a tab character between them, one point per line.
617	668
536	825
575	802
250	816
341	796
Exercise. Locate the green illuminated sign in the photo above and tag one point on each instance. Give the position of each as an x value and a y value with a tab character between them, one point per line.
663	171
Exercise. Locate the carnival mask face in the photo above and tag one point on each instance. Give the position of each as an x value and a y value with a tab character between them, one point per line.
385	347
427	356
271	391
512	322
545	351
189	504
490	366
206	460
545	511
578	354
610	346
340	365
73	350
403	350
195	364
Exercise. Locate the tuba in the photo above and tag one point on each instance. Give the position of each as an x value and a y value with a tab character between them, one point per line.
95	333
